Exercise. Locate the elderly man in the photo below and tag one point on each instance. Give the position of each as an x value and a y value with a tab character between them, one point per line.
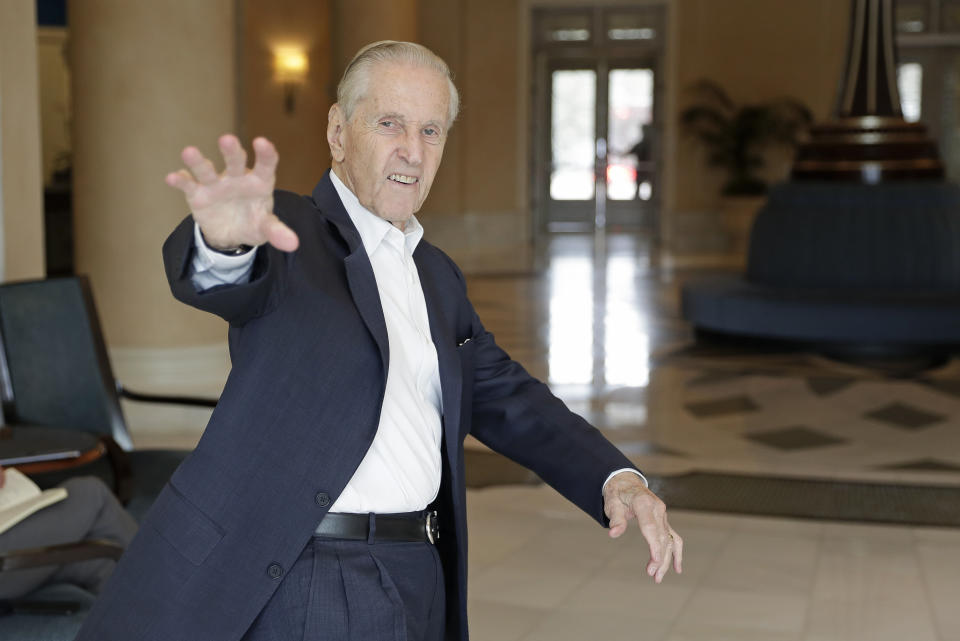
326	499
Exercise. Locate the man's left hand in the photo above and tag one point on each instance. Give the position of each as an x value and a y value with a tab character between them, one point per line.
625	497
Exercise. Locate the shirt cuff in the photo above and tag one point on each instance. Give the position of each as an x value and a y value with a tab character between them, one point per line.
625	469
211	268
217	260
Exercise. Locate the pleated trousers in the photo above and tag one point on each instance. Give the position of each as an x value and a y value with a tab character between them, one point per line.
342	590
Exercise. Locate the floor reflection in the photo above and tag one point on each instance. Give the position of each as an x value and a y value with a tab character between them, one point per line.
571	323
598	334
597	317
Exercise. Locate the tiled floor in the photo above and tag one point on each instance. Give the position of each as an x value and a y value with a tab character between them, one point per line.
540	570
599	320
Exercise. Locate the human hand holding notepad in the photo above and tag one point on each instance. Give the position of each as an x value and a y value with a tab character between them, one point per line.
20	497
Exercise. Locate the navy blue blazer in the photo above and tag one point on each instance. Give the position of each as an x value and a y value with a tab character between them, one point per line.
309	350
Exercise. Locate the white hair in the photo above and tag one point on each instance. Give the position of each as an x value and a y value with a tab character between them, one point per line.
356	76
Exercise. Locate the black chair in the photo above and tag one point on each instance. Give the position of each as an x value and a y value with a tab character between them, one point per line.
54	612
55	372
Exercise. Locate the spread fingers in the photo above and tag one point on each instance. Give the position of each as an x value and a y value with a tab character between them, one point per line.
266	159
234	155
199	166
182	180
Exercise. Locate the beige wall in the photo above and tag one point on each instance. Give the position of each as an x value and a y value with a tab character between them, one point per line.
441	27
300	137
477	198
360	22
148	79
490	84
756	50
55	105
21	195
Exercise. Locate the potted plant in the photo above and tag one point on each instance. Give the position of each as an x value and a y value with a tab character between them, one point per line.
735	136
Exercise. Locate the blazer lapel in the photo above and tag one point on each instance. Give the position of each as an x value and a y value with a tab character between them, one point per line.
360	278
451	377
363	287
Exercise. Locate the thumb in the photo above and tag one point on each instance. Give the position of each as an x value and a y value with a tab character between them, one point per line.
279	235
618	519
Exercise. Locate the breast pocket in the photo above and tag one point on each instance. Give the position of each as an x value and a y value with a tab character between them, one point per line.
183	525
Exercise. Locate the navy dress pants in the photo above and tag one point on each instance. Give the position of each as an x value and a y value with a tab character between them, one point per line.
341	590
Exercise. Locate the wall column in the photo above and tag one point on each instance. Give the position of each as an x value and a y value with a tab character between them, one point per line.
21	184
360	22
148	79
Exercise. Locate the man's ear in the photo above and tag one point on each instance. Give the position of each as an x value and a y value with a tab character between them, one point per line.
335	126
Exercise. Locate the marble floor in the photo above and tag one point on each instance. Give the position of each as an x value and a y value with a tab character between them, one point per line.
598	318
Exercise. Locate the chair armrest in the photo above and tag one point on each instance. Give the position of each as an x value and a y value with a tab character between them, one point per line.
59	554
160	398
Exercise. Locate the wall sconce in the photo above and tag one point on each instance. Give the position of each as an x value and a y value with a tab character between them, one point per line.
290	68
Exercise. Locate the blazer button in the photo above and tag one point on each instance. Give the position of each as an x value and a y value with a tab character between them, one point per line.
322	499
275	571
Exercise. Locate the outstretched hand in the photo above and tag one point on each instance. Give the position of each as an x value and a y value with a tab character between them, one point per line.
625	497
234	207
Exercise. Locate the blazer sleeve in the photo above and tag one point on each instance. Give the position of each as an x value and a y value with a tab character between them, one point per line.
516	415
237	304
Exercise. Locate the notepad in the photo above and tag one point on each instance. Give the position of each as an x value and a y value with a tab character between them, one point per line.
20	497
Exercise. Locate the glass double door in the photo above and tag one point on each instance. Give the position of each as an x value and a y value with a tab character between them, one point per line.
600	153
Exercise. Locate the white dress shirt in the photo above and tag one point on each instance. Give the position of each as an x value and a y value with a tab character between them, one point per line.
401	470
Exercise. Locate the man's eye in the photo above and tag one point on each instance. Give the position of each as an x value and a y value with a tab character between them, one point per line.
388	124
430	131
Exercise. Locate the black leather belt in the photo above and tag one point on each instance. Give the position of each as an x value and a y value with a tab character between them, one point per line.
411	527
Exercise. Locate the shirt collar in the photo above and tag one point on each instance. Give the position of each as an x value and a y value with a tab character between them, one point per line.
372	228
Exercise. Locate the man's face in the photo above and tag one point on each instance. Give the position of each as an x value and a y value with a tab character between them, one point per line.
390	149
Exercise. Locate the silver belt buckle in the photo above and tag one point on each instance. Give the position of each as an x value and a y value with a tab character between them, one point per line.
432	527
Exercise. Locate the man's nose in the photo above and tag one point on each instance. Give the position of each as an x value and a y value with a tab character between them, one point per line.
411	148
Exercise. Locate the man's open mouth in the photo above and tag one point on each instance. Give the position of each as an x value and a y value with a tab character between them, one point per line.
404	180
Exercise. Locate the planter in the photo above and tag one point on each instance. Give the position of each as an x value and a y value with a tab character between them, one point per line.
736	215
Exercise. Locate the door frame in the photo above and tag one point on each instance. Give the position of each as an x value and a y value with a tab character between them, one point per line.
641	54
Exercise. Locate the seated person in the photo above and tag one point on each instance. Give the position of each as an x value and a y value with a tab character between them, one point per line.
90	511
